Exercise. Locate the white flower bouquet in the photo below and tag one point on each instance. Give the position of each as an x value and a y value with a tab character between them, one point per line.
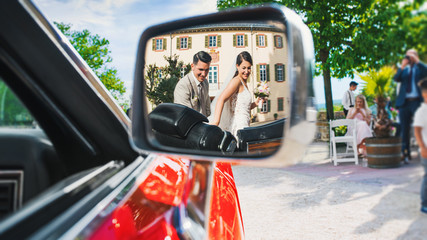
262	91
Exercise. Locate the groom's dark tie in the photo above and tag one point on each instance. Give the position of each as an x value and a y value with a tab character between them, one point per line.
409	83
202	100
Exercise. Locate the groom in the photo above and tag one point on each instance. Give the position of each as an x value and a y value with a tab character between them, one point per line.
193	89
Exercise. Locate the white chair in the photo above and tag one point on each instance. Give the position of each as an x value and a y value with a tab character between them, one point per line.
350	155
371	126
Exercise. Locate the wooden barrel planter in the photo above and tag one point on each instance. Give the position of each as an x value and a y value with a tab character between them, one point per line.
383	152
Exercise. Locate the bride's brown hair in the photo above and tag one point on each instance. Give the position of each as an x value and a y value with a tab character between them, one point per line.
242	56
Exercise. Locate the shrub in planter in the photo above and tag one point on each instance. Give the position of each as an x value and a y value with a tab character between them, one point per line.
383	150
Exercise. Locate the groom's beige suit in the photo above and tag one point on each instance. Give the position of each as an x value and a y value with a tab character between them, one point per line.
188	93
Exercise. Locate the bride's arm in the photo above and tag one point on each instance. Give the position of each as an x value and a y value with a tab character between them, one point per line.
231	88
255	104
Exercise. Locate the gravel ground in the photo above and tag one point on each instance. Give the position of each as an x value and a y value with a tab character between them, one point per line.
287	204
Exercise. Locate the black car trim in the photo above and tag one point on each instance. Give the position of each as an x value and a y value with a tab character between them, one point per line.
83	218
20	73
38	51
53	202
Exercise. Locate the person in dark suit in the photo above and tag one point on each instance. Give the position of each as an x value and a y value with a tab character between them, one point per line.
409	98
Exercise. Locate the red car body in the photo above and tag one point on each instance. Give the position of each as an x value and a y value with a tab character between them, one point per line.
147	213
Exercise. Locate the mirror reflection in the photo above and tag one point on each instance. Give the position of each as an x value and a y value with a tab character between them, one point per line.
221	87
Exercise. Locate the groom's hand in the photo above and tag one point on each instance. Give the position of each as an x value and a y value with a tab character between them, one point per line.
213	123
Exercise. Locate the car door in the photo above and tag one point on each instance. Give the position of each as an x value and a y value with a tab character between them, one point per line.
88	181
75	142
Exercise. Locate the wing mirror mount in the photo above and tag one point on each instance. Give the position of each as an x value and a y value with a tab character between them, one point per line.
282	50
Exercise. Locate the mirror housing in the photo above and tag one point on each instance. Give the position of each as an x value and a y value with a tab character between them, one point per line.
299	128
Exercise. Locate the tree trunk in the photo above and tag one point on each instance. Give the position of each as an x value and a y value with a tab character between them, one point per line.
324	54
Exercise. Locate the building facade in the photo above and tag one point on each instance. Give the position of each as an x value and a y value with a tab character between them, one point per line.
266	44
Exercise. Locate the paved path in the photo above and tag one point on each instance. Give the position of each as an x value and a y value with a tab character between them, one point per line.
316	200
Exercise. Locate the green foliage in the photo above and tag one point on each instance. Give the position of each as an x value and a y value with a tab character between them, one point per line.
377	86
391	91
355	35
161	81
94	50
378	83
352	35
393	113
416	34
224	4
12	112
369	99
340	130
337	108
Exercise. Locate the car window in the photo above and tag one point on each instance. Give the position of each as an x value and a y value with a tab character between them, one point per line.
13	114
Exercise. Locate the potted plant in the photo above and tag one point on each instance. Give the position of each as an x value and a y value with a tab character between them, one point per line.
275	115
253	118
383	150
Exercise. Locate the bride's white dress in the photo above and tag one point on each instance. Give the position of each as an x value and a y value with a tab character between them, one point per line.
240	110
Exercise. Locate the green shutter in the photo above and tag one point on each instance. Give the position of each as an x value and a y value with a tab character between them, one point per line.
206	41
178	43
268	106
246	40
258	73
234	40
280	104
189	42
219	41
265	40
268	72
276	71
164	43
284	73
275	41
154	44
257	40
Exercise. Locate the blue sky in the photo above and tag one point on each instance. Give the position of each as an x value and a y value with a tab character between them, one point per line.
123	21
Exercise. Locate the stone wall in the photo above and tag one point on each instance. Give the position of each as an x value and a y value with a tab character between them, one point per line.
323	125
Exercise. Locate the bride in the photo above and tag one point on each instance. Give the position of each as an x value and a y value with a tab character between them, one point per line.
232	106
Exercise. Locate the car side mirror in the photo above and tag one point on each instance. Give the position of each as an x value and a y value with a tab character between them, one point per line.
282	52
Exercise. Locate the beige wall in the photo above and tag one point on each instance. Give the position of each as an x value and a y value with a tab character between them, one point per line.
225	56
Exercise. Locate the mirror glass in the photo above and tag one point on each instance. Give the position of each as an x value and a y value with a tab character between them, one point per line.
172	77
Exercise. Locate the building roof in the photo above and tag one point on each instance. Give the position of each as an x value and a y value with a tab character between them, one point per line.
231	27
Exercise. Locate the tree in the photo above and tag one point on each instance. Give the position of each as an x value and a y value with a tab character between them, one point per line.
416	34
94	50
349	35
161	81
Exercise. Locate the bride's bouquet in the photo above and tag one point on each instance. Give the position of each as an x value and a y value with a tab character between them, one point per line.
262	91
